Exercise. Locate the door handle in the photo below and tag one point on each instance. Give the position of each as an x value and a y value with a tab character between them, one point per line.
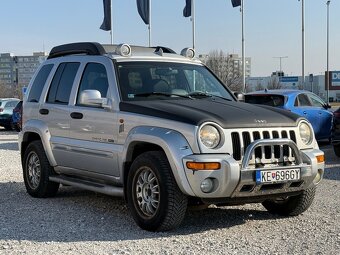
44	111
304	112
76	115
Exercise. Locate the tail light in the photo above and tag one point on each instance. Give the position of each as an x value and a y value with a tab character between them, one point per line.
336	114
1	110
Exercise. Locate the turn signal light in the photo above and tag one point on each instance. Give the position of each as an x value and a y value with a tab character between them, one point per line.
203	165
320	158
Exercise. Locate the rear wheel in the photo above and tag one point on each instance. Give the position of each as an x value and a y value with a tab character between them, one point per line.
155	201
337	149
291	206
37	170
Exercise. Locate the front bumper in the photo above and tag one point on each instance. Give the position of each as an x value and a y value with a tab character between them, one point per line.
237	179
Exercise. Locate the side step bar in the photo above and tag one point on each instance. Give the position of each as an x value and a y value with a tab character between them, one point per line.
88	185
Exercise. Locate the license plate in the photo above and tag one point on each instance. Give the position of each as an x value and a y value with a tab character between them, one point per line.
273	176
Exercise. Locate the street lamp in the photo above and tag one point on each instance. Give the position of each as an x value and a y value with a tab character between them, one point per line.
303	40
281	61
327	80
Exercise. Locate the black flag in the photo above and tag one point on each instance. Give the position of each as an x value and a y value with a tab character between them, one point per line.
187	9
107	16
236	3
143	7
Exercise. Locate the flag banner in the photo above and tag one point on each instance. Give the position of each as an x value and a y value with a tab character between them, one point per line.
236	3
107	16
187	9
143	7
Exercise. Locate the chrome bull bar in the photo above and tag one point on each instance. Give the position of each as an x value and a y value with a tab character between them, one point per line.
270	142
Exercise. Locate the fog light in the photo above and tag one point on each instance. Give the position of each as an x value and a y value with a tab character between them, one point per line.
318	176
207	185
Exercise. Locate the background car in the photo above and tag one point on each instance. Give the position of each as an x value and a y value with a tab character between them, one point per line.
6	110
303	103
336	132
16	116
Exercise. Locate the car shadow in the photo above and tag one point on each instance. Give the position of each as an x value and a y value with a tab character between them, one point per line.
76	215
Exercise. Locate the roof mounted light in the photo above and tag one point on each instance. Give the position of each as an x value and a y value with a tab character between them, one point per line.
188	53
124	50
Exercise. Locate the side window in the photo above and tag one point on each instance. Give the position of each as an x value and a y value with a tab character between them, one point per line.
303	100
316	101
95	78
61	86
39	83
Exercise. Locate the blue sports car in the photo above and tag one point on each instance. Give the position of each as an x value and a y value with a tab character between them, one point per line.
301	102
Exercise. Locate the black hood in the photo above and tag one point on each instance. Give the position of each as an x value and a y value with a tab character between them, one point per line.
228	114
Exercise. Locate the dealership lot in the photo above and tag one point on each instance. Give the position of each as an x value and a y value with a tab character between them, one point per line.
83	222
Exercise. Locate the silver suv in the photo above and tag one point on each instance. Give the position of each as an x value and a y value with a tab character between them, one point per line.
161	130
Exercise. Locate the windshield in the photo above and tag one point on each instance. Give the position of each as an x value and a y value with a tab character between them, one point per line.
162	80
271	100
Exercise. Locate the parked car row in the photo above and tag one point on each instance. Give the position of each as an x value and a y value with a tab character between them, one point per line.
303	103
336	132
326	124
10	113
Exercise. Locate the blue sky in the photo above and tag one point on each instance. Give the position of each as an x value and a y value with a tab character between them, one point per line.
272	27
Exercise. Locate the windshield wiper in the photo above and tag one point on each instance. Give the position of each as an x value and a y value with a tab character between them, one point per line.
200	94
161	94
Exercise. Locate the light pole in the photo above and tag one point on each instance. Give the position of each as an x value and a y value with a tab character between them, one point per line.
327	80
243	50
303	40
281	61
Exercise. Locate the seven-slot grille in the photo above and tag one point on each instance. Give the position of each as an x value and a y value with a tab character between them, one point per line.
242	139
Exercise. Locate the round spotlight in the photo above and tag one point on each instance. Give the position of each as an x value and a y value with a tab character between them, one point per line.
124	50
188	53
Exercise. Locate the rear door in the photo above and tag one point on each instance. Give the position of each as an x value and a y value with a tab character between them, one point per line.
323	116
55	112
303	107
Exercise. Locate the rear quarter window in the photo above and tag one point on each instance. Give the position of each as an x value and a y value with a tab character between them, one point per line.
38	83
270	100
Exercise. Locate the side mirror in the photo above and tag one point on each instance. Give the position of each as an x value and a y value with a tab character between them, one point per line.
239	96
327	106
92	97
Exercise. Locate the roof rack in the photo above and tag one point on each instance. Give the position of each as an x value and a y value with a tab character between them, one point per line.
94	48
89	48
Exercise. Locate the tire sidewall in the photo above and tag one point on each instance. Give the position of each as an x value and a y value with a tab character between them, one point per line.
149	223
32	147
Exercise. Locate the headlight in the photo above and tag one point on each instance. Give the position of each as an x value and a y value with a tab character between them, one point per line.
306	133
210	136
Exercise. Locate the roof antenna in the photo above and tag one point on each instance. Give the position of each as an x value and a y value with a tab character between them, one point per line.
159	51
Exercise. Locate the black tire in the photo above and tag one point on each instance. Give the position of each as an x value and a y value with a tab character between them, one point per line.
337	149
8	128
170	209
36	171
291	206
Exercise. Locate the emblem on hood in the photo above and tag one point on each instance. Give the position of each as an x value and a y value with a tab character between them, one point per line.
260	121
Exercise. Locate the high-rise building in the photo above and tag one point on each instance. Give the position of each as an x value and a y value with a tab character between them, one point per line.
236	63
17	71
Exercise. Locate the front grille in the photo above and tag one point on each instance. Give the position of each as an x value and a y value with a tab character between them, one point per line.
241	140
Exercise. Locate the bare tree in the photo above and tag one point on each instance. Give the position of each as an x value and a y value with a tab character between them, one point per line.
274	83
223	66
300	86
259	86
6	90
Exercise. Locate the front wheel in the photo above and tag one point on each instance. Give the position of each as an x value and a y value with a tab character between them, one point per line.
37	170
291	206
155	201
337	149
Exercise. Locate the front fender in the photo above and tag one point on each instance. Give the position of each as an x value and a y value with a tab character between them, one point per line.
173	143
